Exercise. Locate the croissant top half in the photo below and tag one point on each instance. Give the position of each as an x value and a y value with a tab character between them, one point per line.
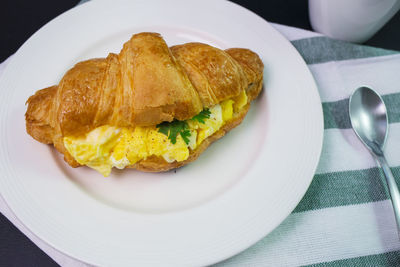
145	84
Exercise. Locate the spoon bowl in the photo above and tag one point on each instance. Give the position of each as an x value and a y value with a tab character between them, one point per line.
368	117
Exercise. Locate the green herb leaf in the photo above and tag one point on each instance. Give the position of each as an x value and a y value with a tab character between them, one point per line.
163	128
185	136
173	128
204	114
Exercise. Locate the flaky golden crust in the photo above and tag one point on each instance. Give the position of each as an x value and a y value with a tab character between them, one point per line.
155	87
36	116
252	67
215	75
145	84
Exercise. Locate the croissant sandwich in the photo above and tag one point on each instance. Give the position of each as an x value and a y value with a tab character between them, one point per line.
151	107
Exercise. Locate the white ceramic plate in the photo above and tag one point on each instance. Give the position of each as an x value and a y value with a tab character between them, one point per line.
237	192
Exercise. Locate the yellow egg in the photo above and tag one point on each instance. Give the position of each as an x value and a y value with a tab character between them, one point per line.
192	139
178	151
227	109
157	142
137	145
108	146
240	101
119	155
211	125
94	149
102	166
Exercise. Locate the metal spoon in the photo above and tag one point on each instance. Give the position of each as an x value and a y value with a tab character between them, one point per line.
369	121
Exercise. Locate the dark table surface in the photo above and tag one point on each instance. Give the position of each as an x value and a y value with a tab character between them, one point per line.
20	19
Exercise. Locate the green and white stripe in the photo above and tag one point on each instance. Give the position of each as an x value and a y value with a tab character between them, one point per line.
385	259
345	218
336	113
314	50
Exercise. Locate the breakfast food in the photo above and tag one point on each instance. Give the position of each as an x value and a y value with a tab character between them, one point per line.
150	107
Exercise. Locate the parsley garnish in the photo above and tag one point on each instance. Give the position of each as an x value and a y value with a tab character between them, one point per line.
204	114
175	127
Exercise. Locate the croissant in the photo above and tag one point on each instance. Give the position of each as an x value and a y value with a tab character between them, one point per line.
150	107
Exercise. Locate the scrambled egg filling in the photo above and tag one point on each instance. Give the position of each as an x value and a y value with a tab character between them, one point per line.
107	146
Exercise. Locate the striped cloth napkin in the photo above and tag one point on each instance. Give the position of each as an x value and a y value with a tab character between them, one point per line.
345	218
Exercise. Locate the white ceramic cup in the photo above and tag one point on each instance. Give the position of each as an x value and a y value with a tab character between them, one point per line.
351	20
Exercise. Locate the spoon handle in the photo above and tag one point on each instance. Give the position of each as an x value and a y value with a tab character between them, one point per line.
393	189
